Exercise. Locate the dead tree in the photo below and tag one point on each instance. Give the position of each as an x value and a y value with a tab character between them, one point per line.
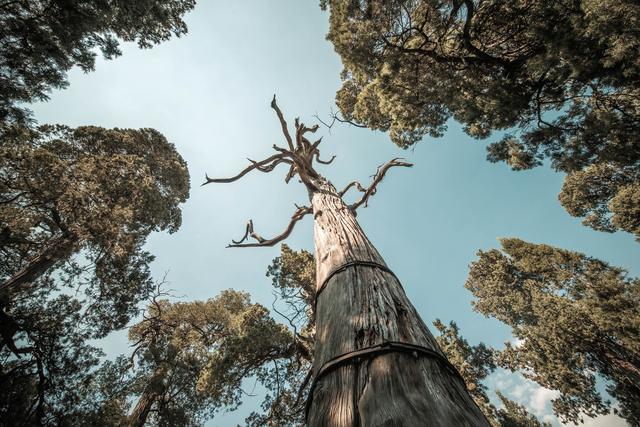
375	361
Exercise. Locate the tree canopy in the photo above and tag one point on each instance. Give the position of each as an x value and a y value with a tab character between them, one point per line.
76	206
562	78
475	363
574	316
41	40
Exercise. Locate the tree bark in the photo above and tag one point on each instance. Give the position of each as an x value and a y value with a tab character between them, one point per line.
152	392
56	250
141	411
362	306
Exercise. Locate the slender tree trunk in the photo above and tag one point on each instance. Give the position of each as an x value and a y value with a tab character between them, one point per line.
362	306
57	249
153	390
141	411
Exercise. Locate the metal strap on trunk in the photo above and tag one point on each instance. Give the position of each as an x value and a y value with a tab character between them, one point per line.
345	266
372	352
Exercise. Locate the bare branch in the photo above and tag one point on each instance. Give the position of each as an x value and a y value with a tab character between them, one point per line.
379	176
247	231
297	216
303	386
265	165
283	123
292	172
324	162
336	118
358	186
315	144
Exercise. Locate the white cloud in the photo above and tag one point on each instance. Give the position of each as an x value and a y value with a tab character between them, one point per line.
603	421
540	399
537	399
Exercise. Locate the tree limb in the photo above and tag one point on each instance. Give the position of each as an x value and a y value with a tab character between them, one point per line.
249	232
324	162
283	123
265	165
356	184
379	176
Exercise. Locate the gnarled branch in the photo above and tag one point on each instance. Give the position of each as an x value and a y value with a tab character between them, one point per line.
265	165
356	184
324	162
379	176
283	123
300	212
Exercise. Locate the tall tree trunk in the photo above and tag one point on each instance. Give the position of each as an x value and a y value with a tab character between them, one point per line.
153	390
56	250
141	411
363	306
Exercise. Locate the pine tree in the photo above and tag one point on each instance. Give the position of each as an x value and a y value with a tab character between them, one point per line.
76	206
561	76
575	316
41	40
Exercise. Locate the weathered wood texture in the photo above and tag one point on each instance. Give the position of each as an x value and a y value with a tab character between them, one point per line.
140	412
364	306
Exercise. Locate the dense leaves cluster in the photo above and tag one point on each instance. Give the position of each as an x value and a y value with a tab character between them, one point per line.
562	76
76	206
41	40
293	276
475	363
191	358
575	317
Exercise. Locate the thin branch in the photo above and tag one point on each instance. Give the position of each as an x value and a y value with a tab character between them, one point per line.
379	176
336	118
283	123
249	232
324	162
265	165
304	384
356	184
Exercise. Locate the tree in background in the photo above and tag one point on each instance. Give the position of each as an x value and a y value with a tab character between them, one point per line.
575	317
41	40
293	276
192	357
374	358
562	76
92	191
475	363
189	360
76	206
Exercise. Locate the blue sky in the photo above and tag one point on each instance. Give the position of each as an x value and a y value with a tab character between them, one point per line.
209	93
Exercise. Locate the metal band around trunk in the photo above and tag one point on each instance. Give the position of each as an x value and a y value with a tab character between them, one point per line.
345	266
372	352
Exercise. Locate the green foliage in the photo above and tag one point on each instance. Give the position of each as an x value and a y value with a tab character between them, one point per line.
576	316
607	196
43	39
475	363
515	415
192	357
76	206
92	191
189	361
561	75
294	276
42	381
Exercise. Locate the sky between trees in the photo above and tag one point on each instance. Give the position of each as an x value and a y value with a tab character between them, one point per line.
209	94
